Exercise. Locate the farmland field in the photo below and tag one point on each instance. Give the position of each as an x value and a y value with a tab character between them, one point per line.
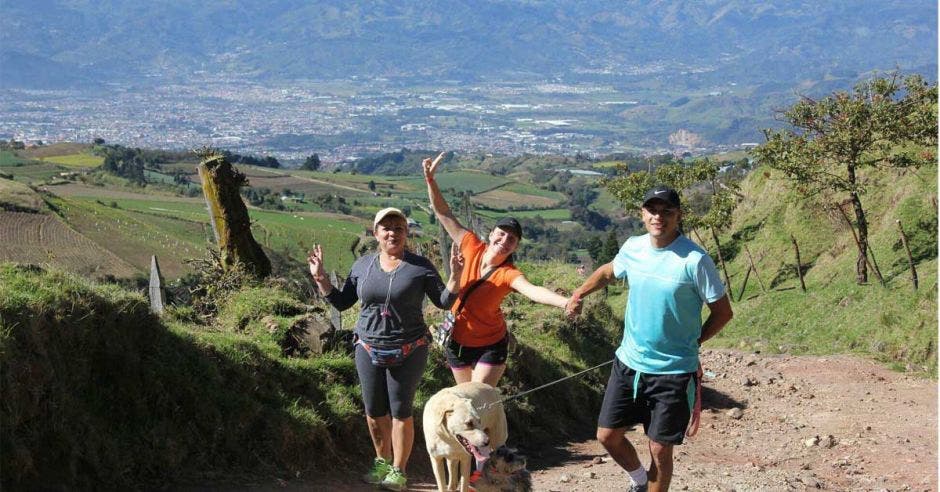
530	189
140	227
309	187
358	181
503	198
476	182
43	239
547	214
295	234
78	189
29	173
18	196
79	161
64	148
135	236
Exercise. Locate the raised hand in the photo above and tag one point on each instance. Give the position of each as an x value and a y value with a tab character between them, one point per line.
315	261
430	166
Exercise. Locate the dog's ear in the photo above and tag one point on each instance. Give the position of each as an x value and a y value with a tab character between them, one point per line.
445	415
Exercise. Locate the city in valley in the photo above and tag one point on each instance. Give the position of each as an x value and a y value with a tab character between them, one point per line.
345	119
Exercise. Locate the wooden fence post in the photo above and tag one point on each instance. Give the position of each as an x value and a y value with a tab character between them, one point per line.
910	257
721	260
445	251
156	287
750	260
747	274
799	264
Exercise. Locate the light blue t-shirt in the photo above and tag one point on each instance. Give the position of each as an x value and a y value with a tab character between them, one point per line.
663	320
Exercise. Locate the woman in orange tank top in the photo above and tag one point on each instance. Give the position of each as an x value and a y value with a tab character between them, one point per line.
478	347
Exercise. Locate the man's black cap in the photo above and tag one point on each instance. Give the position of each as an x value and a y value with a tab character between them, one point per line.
663	193
511	225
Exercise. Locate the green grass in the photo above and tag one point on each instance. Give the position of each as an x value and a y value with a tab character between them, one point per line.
96	390
548	214
34	172
78	161
8	158
529	189
893	324
176	230
136	235
474	181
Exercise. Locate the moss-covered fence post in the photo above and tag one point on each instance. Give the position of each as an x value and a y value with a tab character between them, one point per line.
229	216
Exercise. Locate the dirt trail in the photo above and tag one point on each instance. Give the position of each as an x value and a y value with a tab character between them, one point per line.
829	423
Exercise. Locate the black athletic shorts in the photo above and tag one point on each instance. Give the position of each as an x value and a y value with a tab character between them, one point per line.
461	356
663	403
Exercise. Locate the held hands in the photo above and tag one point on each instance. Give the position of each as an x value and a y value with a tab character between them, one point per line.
430	166
573	308
315	260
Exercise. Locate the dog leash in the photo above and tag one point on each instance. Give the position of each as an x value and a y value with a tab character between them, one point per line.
513	397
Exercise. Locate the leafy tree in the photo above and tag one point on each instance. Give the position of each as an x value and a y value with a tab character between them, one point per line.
371	185
883	122
127	163
594	248
611	247
718	203
312	163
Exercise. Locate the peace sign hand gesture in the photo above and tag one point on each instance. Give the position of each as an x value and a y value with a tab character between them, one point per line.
318	271
315	260
456	260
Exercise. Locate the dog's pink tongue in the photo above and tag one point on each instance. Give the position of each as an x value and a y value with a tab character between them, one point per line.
481	455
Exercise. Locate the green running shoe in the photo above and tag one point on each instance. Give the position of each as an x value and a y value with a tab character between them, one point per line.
380	469
395	480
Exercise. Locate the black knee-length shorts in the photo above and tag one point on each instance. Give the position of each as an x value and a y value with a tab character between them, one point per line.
663	402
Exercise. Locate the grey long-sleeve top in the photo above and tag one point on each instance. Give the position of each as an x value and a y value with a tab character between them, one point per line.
398	294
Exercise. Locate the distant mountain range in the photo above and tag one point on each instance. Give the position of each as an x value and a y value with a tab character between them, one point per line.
71	43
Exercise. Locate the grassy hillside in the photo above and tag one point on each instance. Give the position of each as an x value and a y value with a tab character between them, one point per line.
95	390
895	323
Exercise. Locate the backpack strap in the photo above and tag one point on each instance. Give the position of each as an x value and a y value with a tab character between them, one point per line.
479	282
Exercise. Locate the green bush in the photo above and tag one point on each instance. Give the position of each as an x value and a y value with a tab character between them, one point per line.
95	390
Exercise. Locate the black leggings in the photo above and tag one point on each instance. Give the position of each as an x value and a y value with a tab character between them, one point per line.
390	388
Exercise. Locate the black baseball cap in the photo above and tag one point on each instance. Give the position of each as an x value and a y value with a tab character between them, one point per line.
511	225
663	193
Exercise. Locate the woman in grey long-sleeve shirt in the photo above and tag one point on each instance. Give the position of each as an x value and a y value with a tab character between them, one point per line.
390	286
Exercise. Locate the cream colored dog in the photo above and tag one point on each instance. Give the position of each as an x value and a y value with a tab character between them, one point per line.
460	423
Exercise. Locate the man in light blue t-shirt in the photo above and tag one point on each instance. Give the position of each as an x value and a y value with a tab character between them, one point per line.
654	373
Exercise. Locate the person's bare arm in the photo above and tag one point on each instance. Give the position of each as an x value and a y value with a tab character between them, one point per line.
598	280
719	315
537	293
438	204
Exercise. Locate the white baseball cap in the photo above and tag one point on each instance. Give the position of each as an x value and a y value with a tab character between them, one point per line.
385	212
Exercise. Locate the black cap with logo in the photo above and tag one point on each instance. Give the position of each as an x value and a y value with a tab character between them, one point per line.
511	225
663	193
